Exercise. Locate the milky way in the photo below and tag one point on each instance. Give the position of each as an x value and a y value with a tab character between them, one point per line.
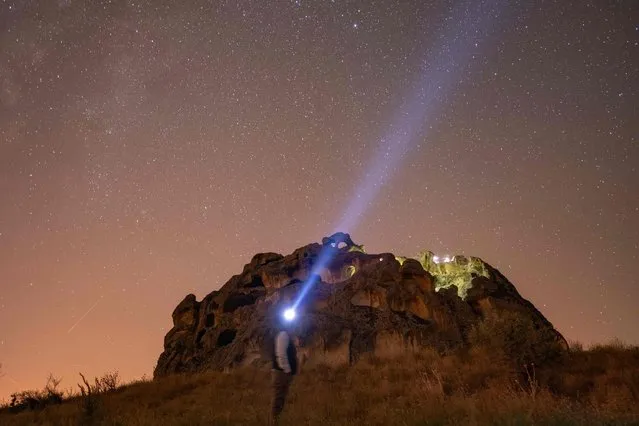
149	149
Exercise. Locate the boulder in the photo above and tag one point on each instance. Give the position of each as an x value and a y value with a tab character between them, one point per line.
261	259
411	268
373	297
185	314
357	305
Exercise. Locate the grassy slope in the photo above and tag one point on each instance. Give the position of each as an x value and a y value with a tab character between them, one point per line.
599	386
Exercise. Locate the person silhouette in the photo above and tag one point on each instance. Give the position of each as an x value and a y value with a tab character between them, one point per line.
283	362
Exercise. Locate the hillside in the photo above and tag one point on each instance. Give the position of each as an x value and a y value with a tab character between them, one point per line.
595	387
383	340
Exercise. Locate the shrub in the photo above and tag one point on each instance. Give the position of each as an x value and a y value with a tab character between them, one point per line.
37	399
108	382
89	405
469	387
516	339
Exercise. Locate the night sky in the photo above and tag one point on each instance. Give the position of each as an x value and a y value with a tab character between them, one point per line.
148	149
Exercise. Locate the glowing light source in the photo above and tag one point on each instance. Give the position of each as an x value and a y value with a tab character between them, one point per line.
289	314
445	259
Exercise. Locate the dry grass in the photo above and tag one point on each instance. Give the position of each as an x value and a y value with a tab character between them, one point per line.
586	387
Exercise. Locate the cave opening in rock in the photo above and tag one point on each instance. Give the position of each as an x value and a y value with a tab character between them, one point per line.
226	337
238	300
209	321
256	281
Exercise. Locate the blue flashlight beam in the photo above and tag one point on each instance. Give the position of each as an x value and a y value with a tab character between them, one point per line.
467	24
441	71
324	258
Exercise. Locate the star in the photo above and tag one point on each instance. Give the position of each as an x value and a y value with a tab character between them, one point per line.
148	153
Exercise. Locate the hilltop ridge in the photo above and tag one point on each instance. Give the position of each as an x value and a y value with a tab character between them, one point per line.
360	304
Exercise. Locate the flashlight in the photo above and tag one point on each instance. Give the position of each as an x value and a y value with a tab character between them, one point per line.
289	314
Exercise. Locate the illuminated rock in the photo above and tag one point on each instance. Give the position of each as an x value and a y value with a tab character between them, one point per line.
360	305
342	241
374	298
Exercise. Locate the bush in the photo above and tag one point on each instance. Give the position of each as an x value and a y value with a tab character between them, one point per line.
108	382
515	338
37	399
90	394
593	387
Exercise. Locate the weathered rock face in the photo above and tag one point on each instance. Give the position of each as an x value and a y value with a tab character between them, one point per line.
358	304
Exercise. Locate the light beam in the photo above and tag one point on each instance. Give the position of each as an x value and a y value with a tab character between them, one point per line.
466	26
442	70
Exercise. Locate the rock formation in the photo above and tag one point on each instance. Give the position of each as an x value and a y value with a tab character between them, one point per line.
357	304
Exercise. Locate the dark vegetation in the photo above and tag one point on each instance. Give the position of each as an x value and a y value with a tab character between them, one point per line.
511	374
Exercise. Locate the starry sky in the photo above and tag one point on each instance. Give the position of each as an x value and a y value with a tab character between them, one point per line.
149	148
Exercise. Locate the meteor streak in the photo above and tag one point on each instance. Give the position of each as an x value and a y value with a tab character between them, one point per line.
467	24
83	316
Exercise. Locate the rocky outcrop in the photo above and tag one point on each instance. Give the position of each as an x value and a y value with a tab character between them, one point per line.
355	304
